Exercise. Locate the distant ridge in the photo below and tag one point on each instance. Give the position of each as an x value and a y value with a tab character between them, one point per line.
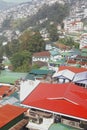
5	5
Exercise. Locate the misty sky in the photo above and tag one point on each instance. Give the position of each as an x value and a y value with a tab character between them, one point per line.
18	1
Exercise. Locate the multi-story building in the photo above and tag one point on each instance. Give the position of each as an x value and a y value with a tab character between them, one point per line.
73	25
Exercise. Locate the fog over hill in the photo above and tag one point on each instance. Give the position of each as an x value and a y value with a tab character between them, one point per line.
5	5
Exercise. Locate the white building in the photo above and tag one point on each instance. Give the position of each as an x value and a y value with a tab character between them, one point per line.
72	25
83	40
41	56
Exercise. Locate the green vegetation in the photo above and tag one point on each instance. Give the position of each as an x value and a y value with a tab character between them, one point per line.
20	51
53	32
54	13
68	41
2	39
21	61
31	41
7	23
19	24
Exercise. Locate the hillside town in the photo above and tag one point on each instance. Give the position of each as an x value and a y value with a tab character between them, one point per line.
74	25
53	96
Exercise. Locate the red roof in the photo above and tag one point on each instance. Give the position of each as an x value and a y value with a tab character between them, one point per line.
66	99
75	22
9	113
5	90
42	54
72	61
62	46
84	47
73	69
75	62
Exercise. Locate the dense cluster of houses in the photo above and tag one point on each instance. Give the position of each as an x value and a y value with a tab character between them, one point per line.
53	95
56	56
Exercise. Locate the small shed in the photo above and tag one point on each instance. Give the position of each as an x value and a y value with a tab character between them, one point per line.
64	76
81	79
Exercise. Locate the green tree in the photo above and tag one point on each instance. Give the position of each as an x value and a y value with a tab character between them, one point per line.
1	51
11	47
14	46
53	32
2	39
68	41
32	41
6	23
21	61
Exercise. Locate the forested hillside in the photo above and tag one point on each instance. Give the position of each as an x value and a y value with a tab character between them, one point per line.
20	50
54	13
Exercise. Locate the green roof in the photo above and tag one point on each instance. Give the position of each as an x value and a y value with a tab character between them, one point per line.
44	68
59	126
75	51
39	76
58	62
30	77
84	54
84	49
66	54
10	77
41	72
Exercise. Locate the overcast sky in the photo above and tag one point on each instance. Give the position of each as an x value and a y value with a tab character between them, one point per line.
18	1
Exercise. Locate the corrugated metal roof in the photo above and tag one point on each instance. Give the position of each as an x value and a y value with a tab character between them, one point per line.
62	61
44	68
68	99
5	90
15	94
81	77
84	54
73	69
9	100
12	99
41	72
30	77
42	54
54	53
27	87
9	113
59	126
10	77
65	73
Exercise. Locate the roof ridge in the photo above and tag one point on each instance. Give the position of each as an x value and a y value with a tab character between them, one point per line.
63	98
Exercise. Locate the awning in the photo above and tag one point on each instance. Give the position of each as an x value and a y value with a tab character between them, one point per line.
19	125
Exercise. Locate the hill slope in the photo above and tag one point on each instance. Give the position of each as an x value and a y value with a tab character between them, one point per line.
54	13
